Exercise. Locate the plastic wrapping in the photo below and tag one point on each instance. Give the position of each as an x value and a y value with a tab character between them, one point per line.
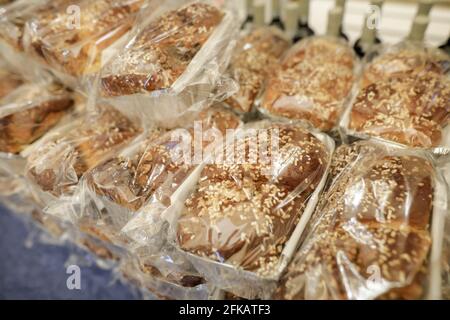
168	287
75	38
238	220
138	183
174	62
379	232
13	18
403	96
55	164
255	57
313	83
30	111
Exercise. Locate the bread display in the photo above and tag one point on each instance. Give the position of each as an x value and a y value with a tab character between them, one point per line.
372	237
200	157
77	49
243	213
312	83
29	112
256	56
404	97
58	164
162	51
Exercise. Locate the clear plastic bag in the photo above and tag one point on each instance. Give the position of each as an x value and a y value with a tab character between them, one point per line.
313	82
377	233
13	18
138	183
255	57
55	164
239	222
174	62
167	287
30	111
403	96
75	38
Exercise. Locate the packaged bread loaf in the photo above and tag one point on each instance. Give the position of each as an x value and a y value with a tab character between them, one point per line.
240	221
13	19
30	111
55	165
174	60
255	57
73	37
403	97
379	233
312	83
148	173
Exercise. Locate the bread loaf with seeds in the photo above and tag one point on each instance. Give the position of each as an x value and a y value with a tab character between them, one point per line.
66	156
243	212
162	51
131	180
404	97
256	56
371	238
74	47
312	83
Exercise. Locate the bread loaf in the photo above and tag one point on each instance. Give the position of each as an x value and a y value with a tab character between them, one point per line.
312	83
77	49
131	181
255	58
242	213
371	238
411	109
61	161
161	52
30	112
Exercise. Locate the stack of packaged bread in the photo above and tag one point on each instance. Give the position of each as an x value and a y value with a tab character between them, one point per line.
201	161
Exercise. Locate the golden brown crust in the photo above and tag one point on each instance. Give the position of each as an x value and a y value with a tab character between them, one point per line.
162	51
371	238
312	83
243	214
255	58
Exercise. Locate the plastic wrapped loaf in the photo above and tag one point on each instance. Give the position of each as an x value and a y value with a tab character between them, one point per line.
241	221
173	62
148	172
255	57
55	165
30	111
313	82
403	97
74	37
13	18
378	234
